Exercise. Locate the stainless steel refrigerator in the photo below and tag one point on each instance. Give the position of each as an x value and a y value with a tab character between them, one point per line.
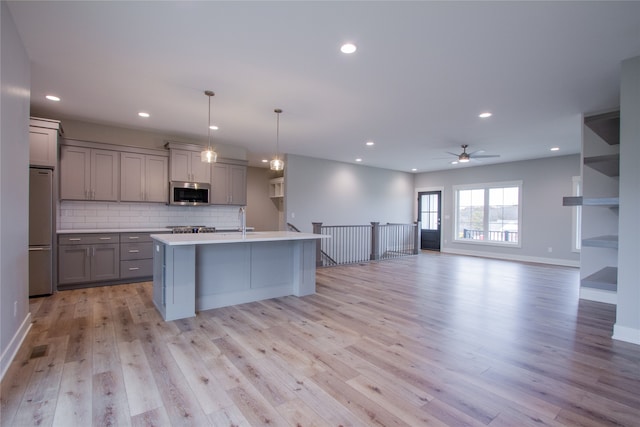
41	225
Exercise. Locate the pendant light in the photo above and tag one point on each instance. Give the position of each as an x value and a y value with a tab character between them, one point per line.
208	155
277	164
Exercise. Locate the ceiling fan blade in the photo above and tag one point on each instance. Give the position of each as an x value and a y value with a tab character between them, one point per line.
485	156
473	153
453	154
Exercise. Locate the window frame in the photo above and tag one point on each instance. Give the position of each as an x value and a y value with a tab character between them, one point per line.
487	186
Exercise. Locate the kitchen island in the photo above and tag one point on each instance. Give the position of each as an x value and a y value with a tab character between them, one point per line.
194	272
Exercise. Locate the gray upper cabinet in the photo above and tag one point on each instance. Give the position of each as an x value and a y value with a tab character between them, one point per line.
43	142
228	184
143	178
89	174
187	166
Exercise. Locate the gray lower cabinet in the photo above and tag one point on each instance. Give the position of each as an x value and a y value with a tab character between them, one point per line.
136	255
86	258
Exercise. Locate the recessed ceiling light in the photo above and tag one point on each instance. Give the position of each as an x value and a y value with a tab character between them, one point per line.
485	115
348	48
265	161
52	98
414	169
213	127
358	159
143	114
369	143
555	149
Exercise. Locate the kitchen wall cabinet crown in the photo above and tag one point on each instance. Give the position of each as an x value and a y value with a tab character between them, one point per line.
89	174
43	142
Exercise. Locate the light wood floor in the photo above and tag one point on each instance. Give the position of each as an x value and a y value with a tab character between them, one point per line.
431	339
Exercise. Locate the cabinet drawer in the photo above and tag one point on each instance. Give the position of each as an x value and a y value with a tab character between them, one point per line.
136	268
88	239
134	237
130	251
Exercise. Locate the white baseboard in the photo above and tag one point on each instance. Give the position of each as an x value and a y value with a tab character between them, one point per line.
14	345
599	295
624	333
511	257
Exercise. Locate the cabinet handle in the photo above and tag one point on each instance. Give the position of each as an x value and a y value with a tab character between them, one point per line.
87	252
134	268
94	252
133	237
133	251
105	238
75	239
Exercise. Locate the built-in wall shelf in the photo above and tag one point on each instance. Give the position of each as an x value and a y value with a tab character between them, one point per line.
608	164
610	202
606	126
605	279
601	242
276	187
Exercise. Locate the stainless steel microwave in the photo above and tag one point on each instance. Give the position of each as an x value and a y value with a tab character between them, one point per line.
189	193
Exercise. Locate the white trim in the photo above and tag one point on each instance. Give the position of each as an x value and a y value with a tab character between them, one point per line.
509	257
485	186
14	345
419	190
625	333
599	295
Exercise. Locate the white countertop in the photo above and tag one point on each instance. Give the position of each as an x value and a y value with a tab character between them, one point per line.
236	237
115	230
131	230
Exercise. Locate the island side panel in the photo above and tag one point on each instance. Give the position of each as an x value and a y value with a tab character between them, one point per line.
304	280
174	280
272	264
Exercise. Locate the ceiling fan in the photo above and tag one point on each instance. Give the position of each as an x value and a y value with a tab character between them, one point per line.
464	157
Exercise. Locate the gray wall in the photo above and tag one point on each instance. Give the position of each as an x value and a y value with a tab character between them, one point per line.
14	189
262	211
627	325
545	222
336	193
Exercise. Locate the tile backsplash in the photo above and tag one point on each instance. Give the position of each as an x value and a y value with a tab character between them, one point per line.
83	215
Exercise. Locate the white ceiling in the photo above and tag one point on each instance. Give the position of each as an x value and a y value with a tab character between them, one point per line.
422	73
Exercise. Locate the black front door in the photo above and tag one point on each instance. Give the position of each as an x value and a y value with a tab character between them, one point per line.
429	217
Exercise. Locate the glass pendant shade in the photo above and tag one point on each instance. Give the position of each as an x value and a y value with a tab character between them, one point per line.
277	164
208	155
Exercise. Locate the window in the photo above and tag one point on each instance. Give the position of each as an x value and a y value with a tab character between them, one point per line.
488	213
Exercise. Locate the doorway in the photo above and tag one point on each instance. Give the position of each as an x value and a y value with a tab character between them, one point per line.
429	207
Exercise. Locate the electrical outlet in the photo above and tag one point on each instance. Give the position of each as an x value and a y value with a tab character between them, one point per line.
549	249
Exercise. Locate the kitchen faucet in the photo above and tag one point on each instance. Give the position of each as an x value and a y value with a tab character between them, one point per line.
242	216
